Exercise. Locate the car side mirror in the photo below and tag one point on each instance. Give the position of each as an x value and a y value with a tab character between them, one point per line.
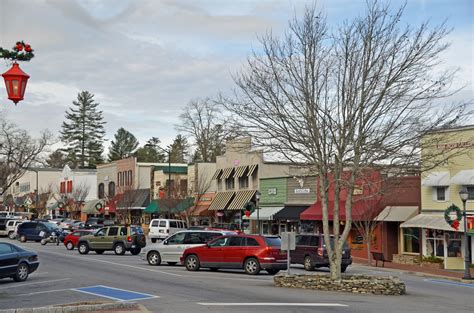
165	242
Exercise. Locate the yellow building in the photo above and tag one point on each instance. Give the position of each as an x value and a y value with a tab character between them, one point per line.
448	166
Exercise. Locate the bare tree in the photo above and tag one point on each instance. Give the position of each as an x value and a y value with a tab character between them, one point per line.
73	201
18	151
357	98
203	121
199	187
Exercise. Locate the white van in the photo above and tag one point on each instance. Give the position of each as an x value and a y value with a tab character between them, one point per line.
162	228
171	249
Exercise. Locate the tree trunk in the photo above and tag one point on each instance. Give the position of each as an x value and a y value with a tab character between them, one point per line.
335	266
369	245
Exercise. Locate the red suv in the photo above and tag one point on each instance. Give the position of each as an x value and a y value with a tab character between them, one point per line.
70	241
248	252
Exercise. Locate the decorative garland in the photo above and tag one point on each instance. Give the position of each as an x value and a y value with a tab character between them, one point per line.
454	223
21	52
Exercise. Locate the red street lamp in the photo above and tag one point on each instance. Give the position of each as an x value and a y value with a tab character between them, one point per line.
15	81
15	78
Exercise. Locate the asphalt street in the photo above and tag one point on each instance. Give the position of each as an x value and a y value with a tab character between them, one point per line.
66	276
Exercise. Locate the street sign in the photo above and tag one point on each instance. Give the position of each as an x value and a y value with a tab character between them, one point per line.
288	241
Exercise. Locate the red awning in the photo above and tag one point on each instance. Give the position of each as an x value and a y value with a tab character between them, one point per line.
361	210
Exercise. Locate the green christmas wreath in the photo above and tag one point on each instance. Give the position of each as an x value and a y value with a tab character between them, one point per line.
21	52
454	223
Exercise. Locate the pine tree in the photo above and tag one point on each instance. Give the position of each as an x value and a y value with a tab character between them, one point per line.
179	150
83	131
150	152
57	159
123	146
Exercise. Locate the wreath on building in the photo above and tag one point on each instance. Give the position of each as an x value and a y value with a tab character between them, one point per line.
454	223
99	206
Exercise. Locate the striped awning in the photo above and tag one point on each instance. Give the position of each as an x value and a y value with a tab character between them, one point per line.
251	169
216	174
239	172
241	199
221	200
226	173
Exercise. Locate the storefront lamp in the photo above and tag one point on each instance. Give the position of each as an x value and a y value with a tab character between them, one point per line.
15	81
257	195
463	194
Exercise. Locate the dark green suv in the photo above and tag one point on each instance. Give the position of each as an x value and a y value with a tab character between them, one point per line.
114	238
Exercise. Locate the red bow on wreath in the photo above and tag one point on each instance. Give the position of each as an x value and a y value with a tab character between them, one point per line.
455	224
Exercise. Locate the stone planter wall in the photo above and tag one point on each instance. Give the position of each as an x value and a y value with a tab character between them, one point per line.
406	259
363	284
435	266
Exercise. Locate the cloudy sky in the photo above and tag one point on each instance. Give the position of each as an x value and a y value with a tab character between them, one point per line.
145	60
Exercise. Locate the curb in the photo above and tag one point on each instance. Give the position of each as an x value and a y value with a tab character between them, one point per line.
64	308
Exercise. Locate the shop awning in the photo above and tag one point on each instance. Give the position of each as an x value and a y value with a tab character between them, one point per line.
90	207
397	213
361	210
239	172
241	199
183	205
290	213
137	199
217	174
436	179
264	214
221	200
251	169
201	210
152	208
430	221
464	177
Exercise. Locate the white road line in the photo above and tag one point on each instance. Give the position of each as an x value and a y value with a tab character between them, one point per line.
34	283
109	262
229	278
272	304
40	292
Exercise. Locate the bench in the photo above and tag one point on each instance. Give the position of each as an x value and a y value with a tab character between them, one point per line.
378	256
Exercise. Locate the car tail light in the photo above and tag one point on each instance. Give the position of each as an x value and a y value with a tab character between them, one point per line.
320	251
168	231
33	258
129	238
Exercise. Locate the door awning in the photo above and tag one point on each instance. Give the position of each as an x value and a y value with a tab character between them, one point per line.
464	177
361	210
291	213
431	221
436	179
221	201
241	199
264	214
397	213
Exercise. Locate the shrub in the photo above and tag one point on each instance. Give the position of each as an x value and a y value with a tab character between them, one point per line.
432	259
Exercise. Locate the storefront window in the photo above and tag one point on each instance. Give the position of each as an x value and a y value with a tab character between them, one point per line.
454	245
435	243
411	240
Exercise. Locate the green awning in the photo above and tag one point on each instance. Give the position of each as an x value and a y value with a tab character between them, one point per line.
183	205
90	207
152	207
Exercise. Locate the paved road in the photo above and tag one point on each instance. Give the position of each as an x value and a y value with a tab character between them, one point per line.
173	289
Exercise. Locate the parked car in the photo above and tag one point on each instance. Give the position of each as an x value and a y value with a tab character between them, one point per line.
16	263
66	224
34	230
93	222
109	222
312	253
78	225
12	228
70	241
171	249
162	228
57	220
251	253
116	238
5	222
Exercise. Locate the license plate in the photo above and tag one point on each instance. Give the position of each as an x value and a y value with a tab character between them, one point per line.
133	246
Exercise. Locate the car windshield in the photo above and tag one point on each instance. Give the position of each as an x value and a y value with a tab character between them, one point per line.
51	226
136	230
273	241
331	239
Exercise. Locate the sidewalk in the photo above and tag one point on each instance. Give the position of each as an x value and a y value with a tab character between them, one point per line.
451	274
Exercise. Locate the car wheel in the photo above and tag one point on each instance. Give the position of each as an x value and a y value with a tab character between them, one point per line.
135	251
11	235
99	251
23	238
252	266
308	263
343	269
43	242
192	263
171	263
69	245
83	248
153	258
153	240
272	271
21	272
119	249
214	269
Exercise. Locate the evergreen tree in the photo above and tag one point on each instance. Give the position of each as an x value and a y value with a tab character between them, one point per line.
83	131
57	159
179	150
150	152
123	146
